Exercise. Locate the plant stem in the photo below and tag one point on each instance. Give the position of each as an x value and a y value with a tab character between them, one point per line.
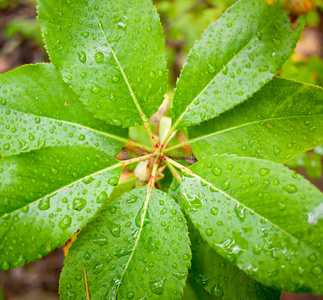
151	136
188	171
177	165
86	285
138	145
143	216
183	144
173	171
152	176
133	160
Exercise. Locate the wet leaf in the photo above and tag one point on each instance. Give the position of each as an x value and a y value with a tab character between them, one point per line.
234	58
279	122
129	252
113	55
43	200
260	216
37	109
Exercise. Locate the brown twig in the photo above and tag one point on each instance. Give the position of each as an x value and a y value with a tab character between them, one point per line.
86	285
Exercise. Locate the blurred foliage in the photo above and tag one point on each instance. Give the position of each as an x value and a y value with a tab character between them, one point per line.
309	71
26	28
184	21
310	161
4	4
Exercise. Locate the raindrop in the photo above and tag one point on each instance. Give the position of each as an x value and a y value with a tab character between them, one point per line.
114	228
312	257
214	211
217	291
157	287
101	197
317	270
82	56
20	261
225	70
226	184
79	203
179	275
115	79
290	188
263	171
217	171
193	203
65	222
98	57
276	150
100	239
87	255
210	69
208	231
44	204
113	181
95	89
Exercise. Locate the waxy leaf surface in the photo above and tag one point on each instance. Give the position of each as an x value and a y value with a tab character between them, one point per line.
48	194
112	55
38	109
282	120
129	252
261	216
234	58
217	275
221	278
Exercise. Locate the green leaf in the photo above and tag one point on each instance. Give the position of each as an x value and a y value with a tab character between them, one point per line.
122	188
277	123
217	275
134	248
222	278
113	55
235	57
194	291
38	109
261	216
48	194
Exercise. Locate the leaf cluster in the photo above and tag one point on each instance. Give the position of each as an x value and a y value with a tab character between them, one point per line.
245	225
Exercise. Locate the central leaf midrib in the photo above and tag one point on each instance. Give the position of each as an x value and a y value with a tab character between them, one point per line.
63	187
142	220
224	66
250	123
112	136
254	212
132	94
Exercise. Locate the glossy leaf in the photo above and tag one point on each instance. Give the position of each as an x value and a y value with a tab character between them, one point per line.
48	194
279	122
261	216
234	58
113	55
221	278
194	291
217	275
38	109
122	188
128	251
